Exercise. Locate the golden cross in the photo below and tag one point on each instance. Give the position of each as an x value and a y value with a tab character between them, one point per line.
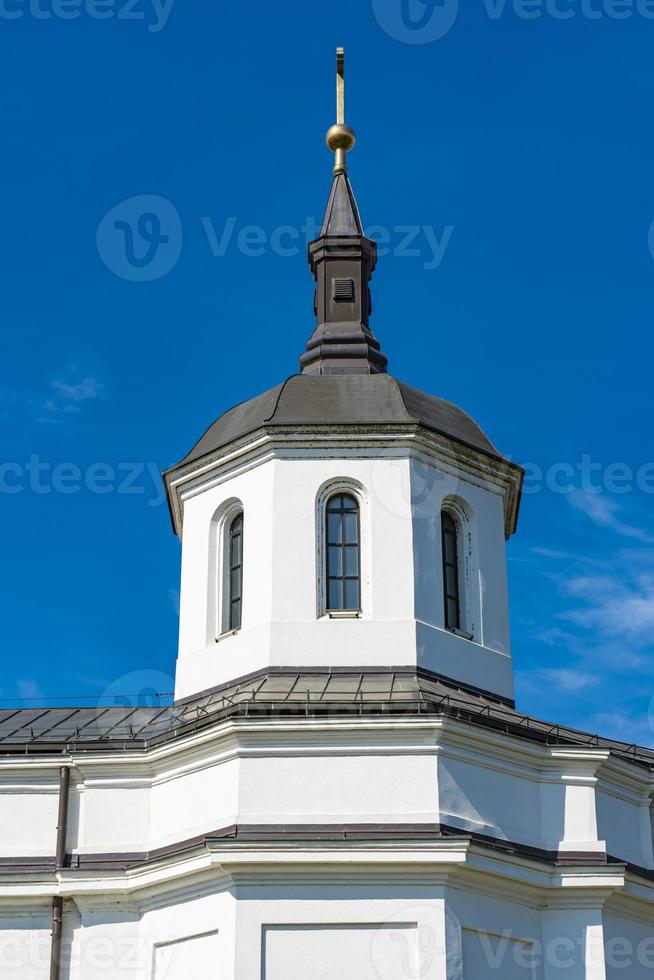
340	138
340	86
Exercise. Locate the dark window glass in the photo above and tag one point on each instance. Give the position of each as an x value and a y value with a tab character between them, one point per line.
449	533
235	572
343	554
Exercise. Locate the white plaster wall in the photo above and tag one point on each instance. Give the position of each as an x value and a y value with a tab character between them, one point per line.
431	487
187	804
629	945
190	939
487	799
116	812
464	660
329	773
625	824
402	616
28	817
187	935
485	954
497	937
357	788
281	625
203	663
580	816
25	944
573	940
290	926
389	931
107	942
188	956
325	951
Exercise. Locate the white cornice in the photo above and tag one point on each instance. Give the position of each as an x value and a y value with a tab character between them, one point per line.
238	738
365	441
457	861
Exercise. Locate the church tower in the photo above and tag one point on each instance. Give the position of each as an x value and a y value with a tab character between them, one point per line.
344	519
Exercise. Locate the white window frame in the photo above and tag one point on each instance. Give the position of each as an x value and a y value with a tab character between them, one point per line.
469	602
218	606
328	490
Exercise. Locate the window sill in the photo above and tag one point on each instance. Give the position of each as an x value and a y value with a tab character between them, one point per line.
461	633
224	636
344	614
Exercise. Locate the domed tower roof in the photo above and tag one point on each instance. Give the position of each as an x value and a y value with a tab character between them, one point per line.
343	400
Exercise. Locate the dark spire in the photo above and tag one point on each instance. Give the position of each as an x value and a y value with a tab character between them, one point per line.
342	261
341	214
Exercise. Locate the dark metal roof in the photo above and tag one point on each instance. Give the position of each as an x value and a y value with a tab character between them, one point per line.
349	400
284	692
342	213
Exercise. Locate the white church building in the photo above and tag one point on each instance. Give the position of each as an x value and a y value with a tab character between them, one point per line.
343	786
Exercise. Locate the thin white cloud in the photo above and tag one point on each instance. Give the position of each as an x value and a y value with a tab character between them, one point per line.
608	618
603	511
552	636
569	680
67	396
599	636
554	555
614	607
80	391
625	726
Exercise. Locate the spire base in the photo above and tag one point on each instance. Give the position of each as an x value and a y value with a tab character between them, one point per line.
352	350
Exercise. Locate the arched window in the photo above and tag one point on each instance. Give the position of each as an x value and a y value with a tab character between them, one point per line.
235	572
451	570
343	570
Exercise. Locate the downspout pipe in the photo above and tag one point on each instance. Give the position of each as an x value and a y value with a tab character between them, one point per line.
60	860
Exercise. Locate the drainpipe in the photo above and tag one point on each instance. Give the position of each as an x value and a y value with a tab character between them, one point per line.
60	859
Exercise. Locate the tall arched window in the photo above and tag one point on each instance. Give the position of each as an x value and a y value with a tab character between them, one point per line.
235	572
451	571
343	554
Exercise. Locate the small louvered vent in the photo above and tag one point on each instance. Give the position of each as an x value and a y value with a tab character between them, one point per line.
344	290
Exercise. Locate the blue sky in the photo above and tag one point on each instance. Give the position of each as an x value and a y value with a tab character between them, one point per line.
512	140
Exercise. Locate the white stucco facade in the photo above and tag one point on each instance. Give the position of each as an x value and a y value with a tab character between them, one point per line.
157	889
402	483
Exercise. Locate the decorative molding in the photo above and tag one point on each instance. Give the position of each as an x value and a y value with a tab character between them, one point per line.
322	853
365	441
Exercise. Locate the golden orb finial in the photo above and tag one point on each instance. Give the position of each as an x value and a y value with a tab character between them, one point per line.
340	138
